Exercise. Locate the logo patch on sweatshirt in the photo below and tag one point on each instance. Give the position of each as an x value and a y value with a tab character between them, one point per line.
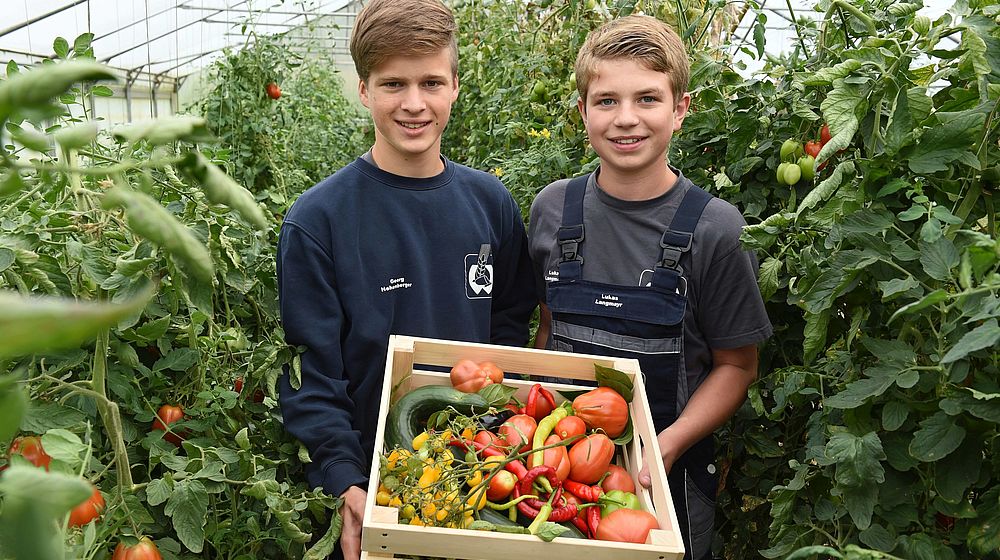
479	273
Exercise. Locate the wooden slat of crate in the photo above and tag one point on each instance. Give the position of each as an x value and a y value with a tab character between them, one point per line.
383	537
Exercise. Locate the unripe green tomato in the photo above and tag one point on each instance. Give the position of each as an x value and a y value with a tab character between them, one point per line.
790	150
792	174
807	164
921	24
780	173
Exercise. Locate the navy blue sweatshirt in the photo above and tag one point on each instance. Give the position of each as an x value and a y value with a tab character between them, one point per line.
365	254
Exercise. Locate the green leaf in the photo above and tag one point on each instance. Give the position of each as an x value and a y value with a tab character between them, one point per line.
54	492
858	459
867	221
892	186
948	143
76	136
180	359
82	42
843	173
61	47
831	284
896	286
984	534
102	91
496	394
933	298
617	380
770	270
152	330
149	219
30	325
878	538
858	392
939	258
957	472
13	404
842	108
33	89
325	546
550	530
899	132
981	405
165	130
11	183
860	503
158	491
894	415
984	336
938	436
222	189
814	335
188	509
65	446
30	139
826	76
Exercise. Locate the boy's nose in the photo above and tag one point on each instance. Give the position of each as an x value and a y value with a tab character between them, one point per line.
626	116
413	100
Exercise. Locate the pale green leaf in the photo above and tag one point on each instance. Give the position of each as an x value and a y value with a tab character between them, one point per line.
165	130
65	446
933	298
842	174
180	359
221	189
894	414
858	459
896	286
939	258
770	270
29	325
188	509
158	491
948	143
814	335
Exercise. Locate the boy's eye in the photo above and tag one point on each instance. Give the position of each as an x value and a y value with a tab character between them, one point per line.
647	99
392	84
432	83
605	102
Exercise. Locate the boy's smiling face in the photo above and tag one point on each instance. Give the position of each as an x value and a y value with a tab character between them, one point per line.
410	100
630	115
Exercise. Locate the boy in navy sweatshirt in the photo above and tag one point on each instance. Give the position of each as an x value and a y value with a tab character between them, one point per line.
401	241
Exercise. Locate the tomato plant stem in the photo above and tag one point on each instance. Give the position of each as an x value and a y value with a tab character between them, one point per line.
110	413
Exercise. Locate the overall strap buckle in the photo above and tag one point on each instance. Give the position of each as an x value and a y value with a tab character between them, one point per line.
570	238
673	245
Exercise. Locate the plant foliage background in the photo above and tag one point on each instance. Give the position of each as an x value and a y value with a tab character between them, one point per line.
871	433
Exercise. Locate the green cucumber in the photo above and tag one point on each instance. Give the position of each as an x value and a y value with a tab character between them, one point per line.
408	417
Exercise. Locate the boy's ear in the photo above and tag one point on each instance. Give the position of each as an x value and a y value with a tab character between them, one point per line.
680	110
363	93
581	106
454	89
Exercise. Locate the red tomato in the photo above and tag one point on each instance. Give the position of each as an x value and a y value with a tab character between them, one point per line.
238	385
517	431
824	135
273	91
813	147
557	458
30	447
144	550
590	458
87	511
603	409
570	426
165	416
469	377
618	479
501	486
489	439
627	525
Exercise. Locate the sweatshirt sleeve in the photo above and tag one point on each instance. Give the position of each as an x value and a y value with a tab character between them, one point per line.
320	412
514	300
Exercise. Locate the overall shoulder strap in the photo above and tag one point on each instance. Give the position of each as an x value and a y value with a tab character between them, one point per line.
676	240
570	233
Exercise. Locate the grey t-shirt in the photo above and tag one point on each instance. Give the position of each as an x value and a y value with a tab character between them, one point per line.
622	247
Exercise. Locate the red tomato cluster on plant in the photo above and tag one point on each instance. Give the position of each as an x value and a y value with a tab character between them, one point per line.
30	447
145	549
272	90
165	416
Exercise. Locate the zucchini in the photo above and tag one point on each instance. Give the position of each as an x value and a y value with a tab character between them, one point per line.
408	417
500	518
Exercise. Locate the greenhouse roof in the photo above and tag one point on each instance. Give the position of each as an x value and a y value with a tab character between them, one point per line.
168	39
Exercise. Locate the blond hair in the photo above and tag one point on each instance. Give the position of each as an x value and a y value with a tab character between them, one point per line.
386	28
644	39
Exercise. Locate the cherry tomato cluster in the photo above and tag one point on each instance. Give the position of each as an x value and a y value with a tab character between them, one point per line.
550	461
800	163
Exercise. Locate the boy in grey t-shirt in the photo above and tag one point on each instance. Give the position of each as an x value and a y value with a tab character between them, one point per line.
636	261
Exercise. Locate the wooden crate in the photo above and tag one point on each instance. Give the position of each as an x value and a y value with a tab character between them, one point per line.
383	537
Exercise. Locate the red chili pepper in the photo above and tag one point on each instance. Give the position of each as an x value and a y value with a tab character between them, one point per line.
529	406
585	492
547	396
523	506
582	526
565	512
515	466
466	445
593	518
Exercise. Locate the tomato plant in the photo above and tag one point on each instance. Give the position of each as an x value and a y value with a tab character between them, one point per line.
627	525
87	511
30	447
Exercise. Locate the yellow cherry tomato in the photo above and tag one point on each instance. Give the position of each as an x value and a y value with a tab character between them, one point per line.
419	440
